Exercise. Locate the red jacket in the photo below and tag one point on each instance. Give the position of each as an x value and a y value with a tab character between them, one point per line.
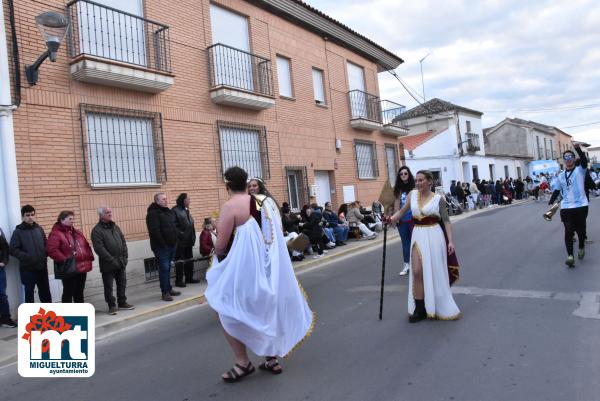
60	246
206	243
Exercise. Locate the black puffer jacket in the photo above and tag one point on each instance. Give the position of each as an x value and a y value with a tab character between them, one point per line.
4	251
186	232
28	244
161	227
110	245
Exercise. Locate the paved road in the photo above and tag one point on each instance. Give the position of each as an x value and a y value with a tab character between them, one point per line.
530	332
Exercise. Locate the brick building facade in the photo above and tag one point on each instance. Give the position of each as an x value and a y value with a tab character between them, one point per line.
154	106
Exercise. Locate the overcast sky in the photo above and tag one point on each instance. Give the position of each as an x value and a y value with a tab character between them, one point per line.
533	59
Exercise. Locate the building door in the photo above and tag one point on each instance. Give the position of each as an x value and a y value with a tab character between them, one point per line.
358	97
111	34
323	187
466	172
492	172
233	62
475	173
392	163
519	174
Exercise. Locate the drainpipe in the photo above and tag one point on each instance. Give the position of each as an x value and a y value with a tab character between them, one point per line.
10	214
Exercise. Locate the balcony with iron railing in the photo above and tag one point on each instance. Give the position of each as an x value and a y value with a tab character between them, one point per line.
473	142
239	78
111	47
390	111
365	111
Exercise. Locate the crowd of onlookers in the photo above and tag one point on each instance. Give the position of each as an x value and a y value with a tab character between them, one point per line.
325	229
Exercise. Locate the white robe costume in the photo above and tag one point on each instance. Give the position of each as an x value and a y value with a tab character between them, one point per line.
255	291
430	242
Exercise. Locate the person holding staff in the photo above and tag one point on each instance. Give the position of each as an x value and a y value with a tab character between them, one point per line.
433	260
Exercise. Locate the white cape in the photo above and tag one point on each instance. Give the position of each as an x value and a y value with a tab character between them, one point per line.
255	291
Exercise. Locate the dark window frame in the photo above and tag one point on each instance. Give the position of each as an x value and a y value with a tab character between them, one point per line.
374	161
160	164
262	141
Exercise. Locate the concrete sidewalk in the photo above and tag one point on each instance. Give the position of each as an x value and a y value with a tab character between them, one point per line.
148	303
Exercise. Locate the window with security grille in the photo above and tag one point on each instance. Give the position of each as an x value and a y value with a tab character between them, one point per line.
366	160
391	158
244	146
123	147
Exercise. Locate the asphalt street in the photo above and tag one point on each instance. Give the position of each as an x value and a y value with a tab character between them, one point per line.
530	331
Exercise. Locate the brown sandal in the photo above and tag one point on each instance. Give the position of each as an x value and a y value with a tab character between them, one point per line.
271	365
233	375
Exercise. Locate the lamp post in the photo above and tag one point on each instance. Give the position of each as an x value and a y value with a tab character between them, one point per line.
422	81
53	27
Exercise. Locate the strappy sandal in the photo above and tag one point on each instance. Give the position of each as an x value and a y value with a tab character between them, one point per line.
233	375
271	365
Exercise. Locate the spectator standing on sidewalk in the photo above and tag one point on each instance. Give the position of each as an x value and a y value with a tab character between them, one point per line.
5	319
64	242
110	246
405	182
162	230
186	238
28	245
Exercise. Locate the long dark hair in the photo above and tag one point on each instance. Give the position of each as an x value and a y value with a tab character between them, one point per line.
262	189
401	186
343	209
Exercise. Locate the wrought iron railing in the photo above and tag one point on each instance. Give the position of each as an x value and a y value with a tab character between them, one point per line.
473	142
365	106
108	33
234	68
390	111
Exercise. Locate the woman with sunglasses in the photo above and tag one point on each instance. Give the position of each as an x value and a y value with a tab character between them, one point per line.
405	182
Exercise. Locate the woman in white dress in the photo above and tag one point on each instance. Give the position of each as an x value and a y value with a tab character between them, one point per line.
433	260
251	283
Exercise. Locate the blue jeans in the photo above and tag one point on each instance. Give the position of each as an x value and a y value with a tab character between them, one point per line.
329	234
4	310
165	256
341	233
405	230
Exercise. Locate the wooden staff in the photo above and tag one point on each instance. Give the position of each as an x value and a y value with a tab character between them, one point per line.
387	200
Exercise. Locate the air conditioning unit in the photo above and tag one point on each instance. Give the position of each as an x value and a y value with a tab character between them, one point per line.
313	190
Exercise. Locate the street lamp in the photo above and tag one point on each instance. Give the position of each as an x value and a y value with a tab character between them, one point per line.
53	27
423	82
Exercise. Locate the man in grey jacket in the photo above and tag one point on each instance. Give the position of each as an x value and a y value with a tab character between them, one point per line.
28	245
110	245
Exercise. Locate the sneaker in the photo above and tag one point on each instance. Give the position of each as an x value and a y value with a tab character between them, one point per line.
325	251
112	310
180	285
570	261
167	297
317	256
581	253
174	293
372	236
9	323
340	243
405	270
297	258
126	306
192	281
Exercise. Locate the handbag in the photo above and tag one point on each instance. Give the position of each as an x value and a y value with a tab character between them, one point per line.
65	269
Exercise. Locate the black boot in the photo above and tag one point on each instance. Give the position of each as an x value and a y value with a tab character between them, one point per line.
420	313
